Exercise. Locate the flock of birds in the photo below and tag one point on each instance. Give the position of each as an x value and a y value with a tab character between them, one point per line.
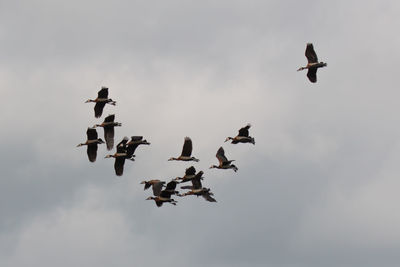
125	149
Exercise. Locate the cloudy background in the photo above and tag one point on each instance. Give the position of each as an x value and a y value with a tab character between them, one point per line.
319	188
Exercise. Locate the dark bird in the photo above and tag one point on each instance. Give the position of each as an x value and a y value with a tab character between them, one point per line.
224	163
242	137
101	100
198	190
156	185
91	143
171	186
186	151
134	143
312	64
164	196
108	126
120	157
190	173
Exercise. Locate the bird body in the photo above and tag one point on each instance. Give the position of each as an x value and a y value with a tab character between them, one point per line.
198	190
312	64
134	143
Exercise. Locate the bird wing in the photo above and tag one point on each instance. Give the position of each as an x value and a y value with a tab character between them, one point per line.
221	156
130	150
171	186
157	188
310	54
92	152
123	143
190	171
91	134
196	180
136	138
208	197
119	165
187	147
103	93
244	131
98	109
312	75
109	118
165	194
109	136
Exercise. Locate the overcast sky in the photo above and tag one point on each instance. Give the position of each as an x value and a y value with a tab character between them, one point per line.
319	188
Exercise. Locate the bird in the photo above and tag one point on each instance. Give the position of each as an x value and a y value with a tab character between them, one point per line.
224	163
190	173
312	64
186	151
242	137
163	196
156	185
198	190
101	100
120	157
134	143
108	126
91	143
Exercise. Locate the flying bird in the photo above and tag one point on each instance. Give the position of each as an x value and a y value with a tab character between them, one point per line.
156	185
120	157
186	151
197	189
108	126
242	137
163	196
224	163
101	100
134	143
91	143
312	64
190	173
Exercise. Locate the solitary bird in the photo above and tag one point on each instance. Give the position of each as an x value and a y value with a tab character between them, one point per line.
197	189
224	163
163	196
101	100
120	157
242	137
312	64
108	126
186	151
134	143
91	143
156	185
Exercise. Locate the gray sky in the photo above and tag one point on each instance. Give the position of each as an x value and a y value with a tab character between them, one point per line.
319	188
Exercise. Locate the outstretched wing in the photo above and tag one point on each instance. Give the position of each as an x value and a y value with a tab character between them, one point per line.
119	165
103	93
187	147
109	136
208	197
91	134
196	181
221	156
312	75
310	54
244	131
157	188
98	109
109	118
190	171
92	152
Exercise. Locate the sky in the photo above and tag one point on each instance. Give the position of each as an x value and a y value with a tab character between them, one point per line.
319	187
